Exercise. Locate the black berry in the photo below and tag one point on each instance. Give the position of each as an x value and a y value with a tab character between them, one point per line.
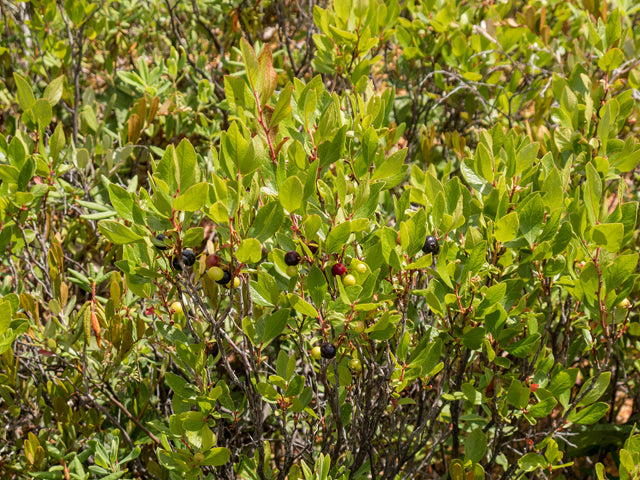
328	350
188	258
292	258
226	278
313	247
160	240
431	245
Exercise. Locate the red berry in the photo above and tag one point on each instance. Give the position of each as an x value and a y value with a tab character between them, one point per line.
212	261
338	269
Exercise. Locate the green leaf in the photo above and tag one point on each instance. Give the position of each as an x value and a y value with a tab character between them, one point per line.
219	213
531	462
543	407
290	194
392	170
337	237
608	115
473	338
274	325
42	112
526	157
506	228
283	106
592	193
249	251
611	60
475	445
608	235
117	232
267	222
26	99
595	390
121	201
316	285
267	76
589	415
5	316
531	217
193	199
266	288
179	385
424	261
524	346
518	395
250	62
217	456
619	271
187	163
53	91
301	305
9	174
193	237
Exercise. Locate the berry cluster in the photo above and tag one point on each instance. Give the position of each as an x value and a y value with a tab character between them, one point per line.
219	272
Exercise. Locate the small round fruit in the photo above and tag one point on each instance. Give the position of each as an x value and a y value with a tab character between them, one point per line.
328	350
292	270
215	273
176	308
198	457
361	268
313	247
316	352
292	258
226	278
355	365
349	280
188	257
357	326
431	245
212	260
236	282
160	238
338	269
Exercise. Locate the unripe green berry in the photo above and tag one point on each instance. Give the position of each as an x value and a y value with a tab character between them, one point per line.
361	268
292	270
316	353
355	365
176	308
198	457
349	280
215	273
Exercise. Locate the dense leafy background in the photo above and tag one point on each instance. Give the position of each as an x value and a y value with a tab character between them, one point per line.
347	131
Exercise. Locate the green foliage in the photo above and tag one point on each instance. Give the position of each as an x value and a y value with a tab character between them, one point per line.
348	133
